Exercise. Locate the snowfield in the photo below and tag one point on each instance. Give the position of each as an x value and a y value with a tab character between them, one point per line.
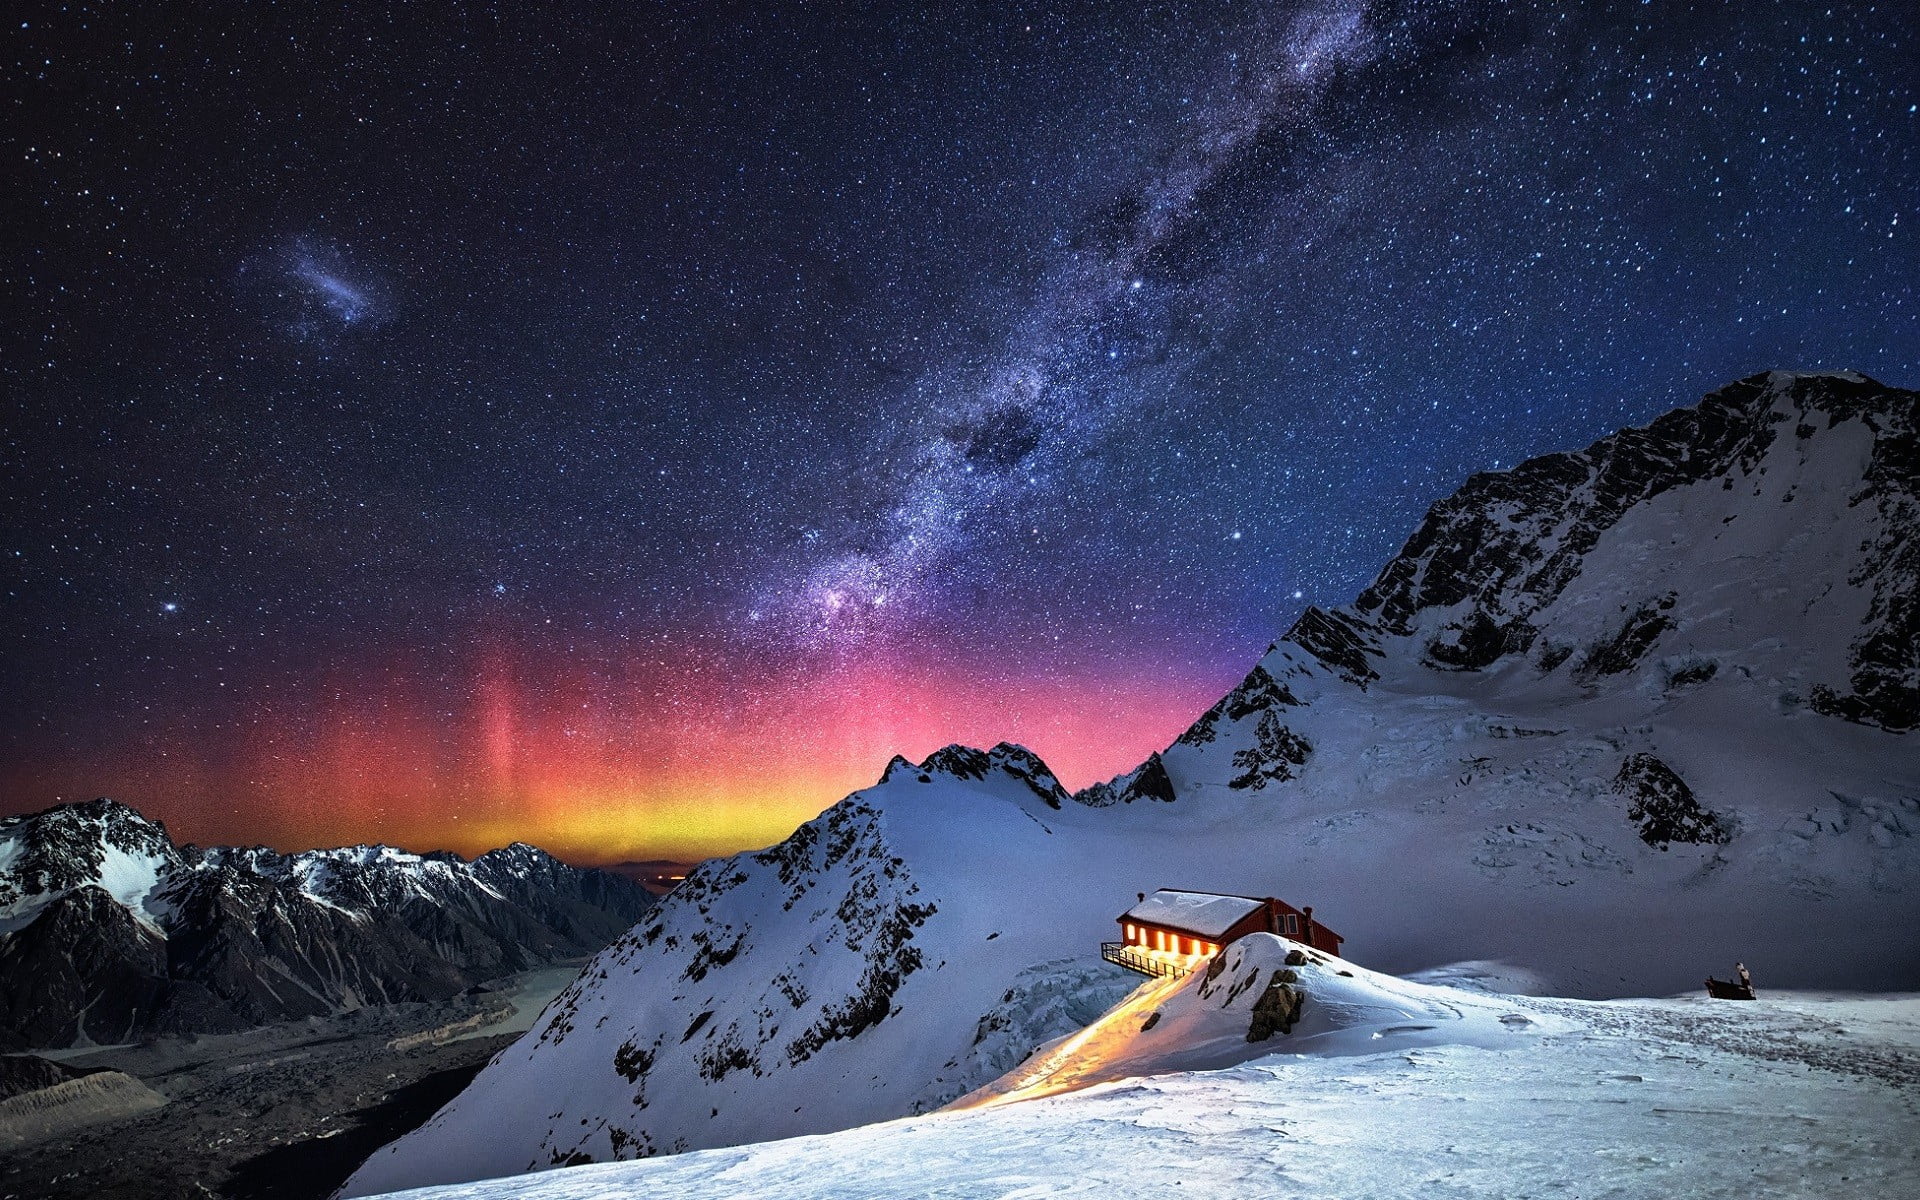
1793	1095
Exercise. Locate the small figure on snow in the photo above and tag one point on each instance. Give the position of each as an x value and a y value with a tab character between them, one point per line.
1740	989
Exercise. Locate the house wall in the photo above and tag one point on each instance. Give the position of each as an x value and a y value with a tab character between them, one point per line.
1271	918
1172	941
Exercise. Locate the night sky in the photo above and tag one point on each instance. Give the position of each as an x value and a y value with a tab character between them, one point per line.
624	427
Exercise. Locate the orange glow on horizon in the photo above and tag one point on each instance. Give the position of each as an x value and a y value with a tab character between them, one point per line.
598	757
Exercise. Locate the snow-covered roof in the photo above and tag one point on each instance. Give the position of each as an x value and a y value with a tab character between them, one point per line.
1203	914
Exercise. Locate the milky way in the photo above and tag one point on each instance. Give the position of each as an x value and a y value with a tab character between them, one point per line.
995	432
998	435
625	431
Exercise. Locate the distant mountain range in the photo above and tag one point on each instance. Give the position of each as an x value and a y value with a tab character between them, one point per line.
1614	718
657	875
110	932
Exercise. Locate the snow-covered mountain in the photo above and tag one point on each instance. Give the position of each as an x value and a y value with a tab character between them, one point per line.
110	932
1613	718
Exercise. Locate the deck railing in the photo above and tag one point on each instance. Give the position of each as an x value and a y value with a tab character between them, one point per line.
1134	959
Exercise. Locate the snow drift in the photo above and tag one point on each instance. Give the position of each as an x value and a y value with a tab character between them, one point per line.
1260	996
1632	1098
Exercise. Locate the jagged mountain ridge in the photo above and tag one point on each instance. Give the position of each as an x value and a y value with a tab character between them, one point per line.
1615	717
111	932
1481	583
1508	543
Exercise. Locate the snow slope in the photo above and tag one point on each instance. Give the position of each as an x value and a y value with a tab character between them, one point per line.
1611	720
1791	1096
1260	992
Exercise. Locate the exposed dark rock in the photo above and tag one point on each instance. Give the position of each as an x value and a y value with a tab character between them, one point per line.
85	955
1339	640
1552	656
66	847
1664	809
1477	642
1508	542
1278	1008
1258	692
1275	755
1885	658
965	762
1151	782
1148	781
1024	765
1693	674
890	960
1630	643
710	954
725	1056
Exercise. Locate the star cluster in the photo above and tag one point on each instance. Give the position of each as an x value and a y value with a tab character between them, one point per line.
624	429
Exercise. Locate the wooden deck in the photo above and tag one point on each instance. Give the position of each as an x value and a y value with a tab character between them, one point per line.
1134	959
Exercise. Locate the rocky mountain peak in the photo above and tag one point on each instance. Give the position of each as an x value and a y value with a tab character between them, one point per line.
72	845
1799	487
1504	546
968	763
102	820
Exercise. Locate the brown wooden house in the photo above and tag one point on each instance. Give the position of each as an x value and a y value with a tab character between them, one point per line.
1168	931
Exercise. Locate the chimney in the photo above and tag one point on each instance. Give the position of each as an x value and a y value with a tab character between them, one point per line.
1142	896
1306	934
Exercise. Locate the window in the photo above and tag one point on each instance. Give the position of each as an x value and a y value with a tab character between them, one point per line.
1292	925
